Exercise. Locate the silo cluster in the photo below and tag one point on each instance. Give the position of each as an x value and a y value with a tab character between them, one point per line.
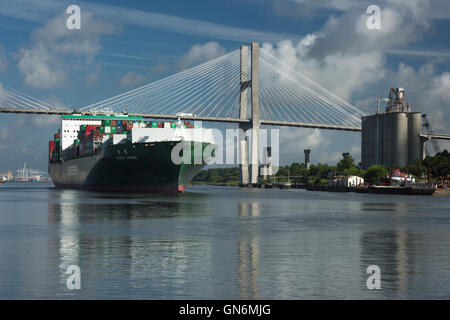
391	138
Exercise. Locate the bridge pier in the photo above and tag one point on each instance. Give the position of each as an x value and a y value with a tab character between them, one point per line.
243	127
255	114
249	176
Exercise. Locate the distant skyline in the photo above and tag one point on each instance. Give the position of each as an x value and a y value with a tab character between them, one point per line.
125	44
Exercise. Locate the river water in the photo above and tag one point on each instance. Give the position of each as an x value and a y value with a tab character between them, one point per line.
221	243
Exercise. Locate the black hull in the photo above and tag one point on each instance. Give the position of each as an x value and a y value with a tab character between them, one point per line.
127	168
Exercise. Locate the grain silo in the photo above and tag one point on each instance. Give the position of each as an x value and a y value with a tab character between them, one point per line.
391	138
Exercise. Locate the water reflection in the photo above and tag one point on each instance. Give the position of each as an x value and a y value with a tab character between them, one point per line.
222	243
393	251
116	240
395	206
248	250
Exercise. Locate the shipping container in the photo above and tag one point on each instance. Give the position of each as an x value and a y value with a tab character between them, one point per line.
51	148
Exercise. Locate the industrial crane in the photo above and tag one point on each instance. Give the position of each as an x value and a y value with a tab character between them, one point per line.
429	130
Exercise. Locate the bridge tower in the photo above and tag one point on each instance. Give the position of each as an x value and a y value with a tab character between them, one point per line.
249	176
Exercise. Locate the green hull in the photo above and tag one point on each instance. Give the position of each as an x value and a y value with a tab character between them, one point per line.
145	167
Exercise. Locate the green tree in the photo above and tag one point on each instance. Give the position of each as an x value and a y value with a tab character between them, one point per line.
346	163
375	173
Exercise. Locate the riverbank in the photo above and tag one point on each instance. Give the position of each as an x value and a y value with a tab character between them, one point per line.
217	184
442	192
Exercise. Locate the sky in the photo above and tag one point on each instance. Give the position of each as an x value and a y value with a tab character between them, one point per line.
125	44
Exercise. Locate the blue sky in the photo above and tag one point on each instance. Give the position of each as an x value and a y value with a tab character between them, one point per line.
129	43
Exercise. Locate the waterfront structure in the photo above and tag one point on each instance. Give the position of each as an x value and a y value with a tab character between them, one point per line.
267	169
392	138
307	158
346	181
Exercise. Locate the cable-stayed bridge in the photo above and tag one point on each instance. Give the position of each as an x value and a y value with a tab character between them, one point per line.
215	90
247	87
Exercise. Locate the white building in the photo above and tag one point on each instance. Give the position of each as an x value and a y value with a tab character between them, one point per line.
348	181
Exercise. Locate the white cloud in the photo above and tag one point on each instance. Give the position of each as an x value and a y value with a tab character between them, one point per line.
44	121
1	95
132	79
57	53
350	60
3	59
38	68
427	91
39	11
198	54
343	74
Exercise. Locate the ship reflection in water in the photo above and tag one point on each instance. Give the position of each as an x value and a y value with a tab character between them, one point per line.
123	247
222	243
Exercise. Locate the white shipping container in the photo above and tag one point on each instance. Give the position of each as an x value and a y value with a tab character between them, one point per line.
119	139
107	129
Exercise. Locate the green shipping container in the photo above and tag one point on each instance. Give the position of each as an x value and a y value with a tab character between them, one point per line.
154	124
113	129
107	122
172	125
101	130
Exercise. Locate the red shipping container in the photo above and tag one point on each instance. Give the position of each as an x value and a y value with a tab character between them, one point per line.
51	148
160	124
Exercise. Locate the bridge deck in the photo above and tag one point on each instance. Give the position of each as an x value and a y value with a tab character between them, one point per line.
441	136
193	118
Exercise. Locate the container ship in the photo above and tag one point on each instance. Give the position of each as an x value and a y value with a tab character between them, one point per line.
126	154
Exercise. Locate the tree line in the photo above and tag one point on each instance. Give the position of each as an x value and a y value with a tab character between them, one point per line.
439	168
